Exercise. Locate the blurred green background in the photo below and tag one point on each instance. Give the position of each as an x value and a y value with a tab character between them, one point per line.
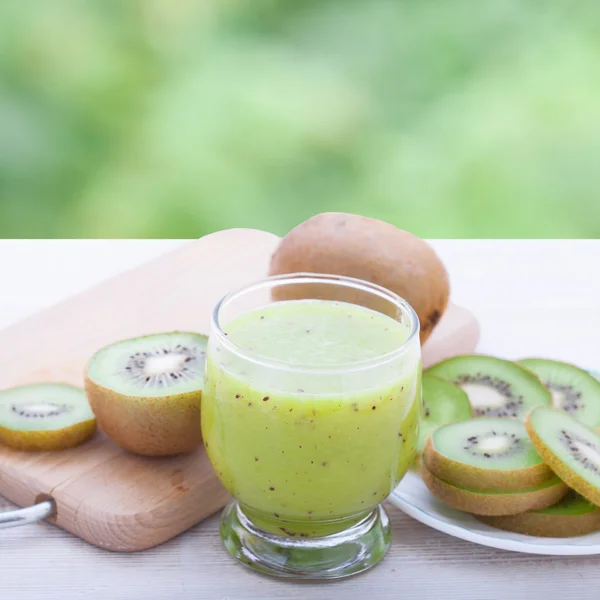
175	118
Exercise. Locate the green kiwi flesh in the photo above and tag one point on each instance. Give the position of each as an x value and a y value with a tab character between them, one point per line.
569	448
495	387
573	390
572	516
493	503
162	364
45	416
443	402
489	454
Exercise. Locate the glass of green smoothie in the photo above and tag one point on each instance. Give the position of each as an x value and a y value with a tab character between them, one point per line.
310	418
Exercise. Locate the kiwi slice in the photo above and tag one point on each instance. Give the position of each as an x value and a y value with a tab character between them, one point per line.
570	448
45	416
443	402
487	454
573	390
493	503
572	516
146	392
496	387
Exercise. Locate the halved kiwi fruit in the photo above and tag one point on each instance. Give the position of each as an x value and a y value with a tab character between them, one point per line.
443	402
487	454
572	516
45	416
493	503
496	387
146	392
573	390
569	448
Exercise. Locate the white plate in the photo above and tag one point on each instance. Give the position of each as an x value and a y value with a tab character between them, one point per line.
413	498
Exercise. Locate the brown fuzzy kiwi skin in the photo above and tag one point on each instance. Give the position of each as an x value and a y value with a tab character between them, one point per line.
368	249
540	525
574	481
478	503
484	480
47	441
161	426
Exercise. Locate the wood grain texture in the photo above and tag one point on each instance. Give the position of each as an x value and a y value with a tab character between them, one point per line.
106	496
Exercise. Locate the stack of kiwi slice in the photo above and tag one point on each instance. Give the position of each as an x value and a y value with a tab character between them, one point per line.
529	459
489	467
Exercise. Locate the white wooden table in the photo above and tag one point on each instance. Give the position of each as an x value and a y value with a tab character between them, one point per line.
531	298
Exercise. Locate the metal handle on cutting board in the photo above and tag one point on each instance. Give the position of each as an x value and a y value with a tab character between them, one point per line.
24	516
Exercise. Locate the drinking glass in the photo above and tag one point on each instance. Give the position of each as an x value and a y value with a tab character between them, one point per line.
308	438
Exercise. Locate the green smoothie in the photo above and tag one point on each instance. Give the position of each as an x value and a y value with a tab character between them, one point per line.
303	449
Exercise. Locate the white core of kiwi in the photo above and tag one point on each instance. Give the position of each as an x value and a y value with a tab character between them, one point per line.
495	445
164	364
559	398
482	396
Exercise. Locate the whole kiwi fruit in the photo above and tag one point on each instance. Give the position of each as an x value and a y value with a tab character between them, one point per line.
368	249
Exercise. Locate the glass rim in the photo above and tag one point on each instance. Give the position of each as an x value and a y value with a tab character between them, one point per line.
303	277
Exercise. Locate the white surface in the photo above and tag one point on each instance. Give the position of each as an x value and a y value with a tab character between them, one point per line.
413	498
531	297
39	273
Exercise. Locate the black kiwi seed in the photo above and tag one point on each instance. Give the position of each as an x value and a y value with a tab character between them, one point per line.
54	410
570	441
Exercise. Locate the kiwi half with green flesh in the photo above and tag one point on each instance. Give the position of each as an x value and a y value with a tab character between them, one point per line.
493	503
146	392
572	516
486	455
496	387
573	390
443	402
45	416
569	448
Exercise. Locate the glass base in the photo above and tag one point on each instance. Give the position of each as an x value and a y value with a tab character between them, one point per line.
349	552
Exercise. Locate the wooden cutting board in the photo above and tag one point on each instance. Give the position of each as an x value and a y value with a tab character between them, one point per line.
108	497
